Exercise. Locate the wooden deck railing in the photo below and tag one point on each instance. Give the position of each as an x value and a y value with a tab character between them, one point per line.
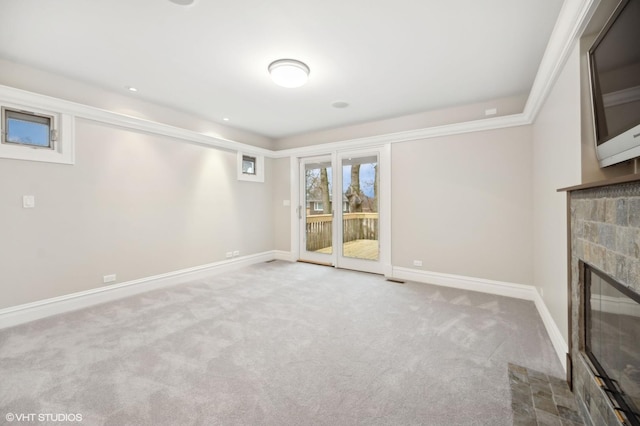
356	226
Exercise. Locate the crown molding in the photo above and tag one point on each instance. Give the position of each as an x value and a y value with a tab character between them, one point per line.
572	20
409	135
26	98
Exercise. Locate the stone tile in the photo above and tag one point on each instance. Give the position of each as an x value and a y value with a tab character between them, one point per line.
522	410
545	404
545	400
539	382
568	402
569	414
525	421
634	212
521	395
517	377
622	212
610	210
541	390
607	235
514	368
570	423
546	419
538	375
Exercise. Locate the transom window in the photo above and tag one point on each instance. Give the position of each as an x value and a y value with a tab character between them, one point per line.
31	133
248	165
28	129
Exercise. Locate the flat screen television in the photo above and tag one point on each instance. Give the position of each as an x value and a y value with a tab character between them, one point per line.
614	65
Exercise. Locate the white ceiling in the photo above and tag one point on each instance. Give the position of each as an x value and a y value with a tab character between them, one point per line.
386	59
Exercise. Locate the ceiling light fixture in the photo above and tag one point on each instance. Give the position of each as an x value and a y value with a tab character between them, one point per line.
132	89
289	73
182	2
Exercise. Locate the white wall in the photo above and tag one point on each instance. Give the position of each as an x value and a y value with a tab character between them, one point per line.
556	164
134	204
462	205
281	183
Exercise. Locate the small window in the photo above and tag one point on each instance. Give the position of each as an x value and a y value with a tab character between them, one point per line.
27	129
317	206
31	133
248	165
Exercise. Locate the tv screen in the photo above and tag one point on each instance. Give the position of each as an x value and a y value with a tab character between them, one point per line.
614	62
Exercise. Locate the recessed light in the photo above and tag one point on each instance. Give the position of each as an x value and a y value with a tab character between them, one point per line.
132	89
289	73
340	104
225	118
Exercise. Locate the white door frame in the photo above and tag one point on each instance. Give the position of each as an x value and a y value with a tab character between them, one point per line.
384	187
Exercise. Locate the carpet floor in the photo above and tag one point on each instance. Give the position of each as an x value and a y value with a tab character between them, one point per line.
278	344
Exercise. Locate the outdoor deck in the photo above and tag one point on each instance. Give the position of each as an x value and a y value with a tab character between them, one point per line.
359	249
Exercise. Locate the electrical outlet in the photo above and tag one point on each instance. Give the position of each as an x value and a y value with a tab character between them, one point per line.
417	263
109	278
28	201
229	254
236	253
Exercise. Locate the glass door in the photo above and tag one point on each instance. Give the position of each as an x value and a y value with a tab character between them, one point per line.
342	204
316	212
359	216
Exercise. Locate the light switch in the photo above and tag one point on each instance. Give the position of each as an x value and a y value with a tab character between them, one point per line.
28	201
286	203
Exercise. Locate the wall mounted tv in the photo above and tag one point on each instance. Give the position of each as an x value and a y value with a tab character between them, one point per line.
614	65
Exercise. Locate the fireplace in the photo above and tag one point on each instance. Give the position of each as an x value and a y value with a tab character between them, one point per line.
604	288
612	339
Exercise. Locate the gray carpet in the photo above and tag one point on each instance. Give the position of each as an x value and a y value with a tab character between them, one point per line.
279	344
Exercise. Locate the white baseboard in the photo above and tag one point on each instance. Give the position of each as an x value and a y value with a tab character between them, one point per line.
555	335
283	255
32	311
500	288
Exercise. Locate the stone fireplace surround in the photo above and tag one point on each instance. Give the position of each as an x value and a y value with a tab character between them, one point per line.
605	233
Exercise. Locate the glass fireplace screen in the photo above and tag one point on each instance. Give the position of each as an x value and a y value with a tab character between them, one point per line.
612	315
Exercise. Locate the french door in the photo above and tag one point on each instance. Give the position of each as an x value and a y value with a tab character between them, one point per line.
315	212
340	212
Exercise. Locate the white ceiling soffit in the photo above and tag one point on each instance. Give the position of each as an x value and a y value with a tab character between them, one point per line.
210	59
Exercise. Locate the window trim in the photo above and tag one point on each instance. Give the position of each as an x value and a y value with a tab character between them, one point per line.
258	176
61	149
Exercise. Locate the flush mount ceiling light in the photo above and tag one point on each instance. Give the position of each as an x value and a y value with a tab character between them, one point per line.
182	2
289	73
